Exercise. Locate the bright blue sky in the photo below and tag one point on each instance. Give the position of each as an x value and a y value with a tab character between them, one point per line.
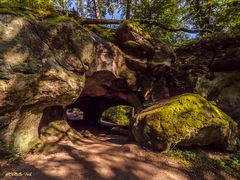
117	16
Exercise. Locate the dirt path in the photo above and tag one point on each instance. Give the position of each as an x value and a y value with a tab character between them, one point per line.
103	157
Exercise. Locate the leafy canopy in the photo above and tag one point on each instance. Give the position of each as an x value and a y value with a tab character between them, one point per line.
215	15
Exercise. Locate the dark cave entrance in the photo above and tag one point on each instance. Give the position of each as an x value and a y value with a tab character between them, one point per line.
93	108
102	90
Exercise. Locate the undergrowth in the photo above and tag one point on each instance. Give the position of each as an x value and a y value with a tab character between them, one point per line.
200	160
7	153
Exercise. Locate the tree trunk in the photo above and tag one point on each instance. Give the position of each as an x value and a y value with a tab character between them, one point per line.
80	8
97	9
128	9
143	21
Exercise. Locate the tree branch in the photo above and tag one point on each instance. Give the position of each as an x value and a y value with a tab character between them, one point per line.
143	21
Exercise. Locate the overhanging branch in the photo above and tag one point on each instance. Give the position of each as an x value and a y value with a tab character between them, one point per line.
144	21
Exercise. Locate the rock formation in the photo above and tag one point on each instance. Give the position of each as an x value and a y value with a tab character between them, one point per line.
47	67
185	120
211	67
41	65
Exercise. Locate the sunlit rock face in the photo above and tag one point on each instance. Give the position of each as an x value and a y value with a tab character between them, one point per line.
108	75
211	67
150	59
53	65
47	67
186	120
124	75
41	65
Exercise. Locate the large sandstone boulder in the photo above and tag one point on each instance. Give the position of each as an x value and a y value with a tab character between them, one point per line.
134	41
41	65
149	59
45	67
123	75
54	134
108	75
210	67
185	120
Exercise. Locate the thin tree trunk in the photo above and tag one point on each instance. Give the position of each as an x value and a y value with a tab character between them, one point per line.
97	9
113	15
80	8
128	9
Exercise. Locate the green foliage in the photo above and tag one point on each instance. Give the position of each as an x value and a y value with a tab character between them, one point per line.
33	4
7	153
213	14
104	32
165	11
200	160
118	114
216	15
4	148
25	12
188	156
57	19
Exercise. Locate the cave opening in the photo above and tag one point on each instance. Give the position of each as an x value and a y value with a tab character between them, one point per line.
86	113
102	91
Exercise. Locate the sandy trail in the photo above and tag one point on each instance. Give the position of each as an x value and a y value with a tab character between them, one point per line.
102	157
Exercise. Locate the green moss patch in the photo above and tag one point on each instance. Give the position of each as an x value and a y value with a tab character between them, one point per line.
183	117
47	16
57	19
25	12
7	152
196	161
102	31
118	114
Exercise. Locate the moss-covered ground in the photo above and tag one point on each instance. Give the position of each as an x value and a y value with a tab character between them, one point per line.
47	16
206	159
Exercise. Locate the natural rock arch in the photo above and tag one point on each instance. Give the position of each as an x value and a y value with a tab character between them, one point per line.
103	90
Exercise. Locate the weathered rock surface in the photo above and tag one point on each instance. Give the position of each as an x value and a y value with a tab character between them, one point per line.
108	75
123	77
41	65
52	133
45	67
186	120
211	67
57	130
150	60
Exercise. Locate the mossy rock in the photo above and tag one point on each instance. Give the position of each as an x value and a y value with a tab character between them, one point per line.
56	131
185	120
118	114
57	19
104	32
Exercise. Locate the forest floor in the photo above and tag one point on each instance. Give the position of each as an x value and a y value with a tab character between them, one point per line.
100	156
